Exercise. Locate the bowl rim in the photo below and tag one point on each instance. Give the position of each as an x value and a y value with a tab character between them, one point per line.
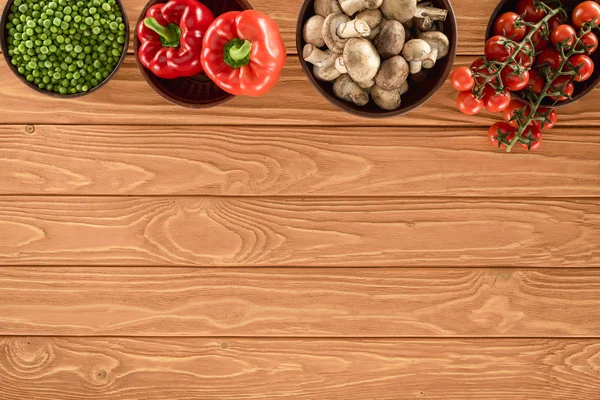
145	72
489	32
384	113
14	70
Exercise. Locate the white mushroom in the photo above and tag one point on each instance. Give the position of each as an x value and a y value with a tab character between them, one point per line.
415	51
404	88
439	44
391	39
313	31
326	7
338	28
351	7
323	61
386	99
360	60
392	74
373	18
346	89
405	10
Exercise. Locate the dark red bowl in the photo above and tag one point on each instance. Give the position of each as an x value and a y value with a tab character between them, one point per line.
4	46
413	98
582	89
196	91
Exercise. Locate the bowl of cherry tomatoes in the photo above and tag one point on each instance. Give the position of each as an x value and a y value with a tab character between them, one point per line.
563	34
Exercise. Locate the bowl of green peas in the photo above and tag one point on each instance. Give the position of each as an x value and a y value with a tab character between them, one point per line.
64	48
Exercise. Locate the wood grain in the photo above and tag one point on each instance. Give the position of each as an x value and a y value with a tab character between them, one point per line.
128	100
159	369
472	21
292	302
298	232
132	160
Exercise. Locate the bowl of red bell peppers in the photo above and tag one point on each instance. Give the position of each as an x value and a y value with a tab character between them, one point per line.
202	54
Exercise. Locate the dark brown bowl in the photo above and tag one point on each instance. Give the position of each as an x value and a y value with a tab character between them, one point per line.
582	89
4	46
410	100
195	91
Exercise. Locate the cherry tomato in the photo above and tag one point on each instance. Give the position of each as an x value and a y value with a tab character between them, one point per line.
505	26
550	123
536	81
549	56
477	67
532	14
535	135
588	11
494	101
562	82
509	112
539	42
590	42
495	49
585	67
468	104
554	22
514	82
526	56
462	79
500	133
563	33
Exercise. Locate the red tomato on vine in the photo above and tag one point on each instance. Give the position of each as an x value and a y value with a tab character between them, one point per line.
498	48
505	26
513	79
562	83
468	104
588	11
462	79
532	13
534	135
563	34
495	101
583	65
536	81
590	42
500	133
549	56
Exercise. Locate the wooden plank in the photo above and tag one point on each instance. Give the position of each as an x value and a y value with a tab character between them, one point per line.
471	20
137	160
291	302
127	99
266	161
159	369
298	232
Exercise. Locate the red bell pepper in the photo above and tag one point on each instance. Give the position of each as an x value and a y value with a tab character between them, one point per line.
243	53
171	38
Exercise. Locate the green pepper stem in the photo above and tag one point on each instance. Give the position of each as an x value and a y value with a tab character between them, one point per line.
169	35
238	53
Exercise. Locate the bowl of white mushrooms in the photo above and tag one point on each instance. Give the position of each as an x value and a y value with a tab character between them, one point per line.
377	58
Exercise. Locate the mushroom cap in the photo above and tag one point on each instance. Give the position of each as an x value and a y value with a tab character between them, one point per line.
437	39
361	59
416	50
386	99
392	74
326	7
391	39
371	17
400	10
346	89
313	31
330	37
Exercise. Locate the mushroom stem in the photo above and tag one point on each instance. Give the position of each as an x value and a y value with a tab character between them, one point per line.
415	66
436	14
340	66
355	28
429	62
315	56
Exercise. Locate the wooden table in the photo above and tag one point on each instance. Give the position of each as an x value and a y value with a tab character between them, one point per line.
280	248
